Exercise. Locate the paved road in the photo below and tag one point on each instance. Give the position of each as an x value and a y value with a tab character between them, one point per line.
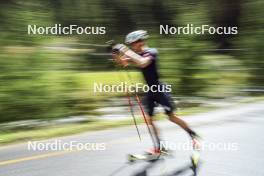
240	128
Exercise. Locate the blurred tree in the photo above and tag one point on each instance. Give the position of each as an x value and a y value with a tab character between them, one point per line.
225	13
38	72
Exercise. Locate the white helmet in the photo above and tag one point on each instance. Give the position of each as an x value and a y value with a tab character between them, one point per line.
135	36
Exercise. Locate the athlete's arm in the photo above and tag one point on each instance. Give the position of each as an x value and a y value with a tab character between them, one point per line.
142	62
131	56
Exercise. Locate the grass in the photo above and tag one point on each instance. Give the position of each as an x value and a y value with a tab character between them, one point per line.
69	129
85	82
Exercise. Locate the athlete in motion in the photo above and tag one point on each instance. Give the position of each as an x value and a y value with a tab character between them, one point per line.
146	59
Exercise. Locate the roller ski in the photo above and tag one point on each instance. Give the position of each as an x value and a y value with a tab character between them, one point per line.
195	157
151	156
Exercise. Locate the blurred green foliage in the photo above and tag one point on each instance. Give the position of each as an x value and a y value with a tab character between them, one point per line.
44	76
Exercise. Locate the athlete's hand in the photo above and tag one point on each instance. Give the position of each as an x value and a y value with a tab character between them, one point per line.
119	48
115	56
124	61
121	60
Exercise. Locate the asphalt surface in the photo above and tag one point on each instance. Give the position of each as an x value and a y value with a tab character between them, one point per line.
232	145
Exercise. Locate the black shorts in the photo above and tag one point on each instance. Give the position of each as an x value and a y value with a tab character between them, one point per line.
162	98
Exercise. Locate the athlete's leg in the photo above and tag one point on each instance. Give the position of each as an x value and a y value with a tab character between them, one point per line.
154	130
166	101
176	119
149	107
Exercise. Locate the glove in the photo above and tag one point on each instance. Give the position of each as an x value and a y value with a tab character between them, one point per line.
119	48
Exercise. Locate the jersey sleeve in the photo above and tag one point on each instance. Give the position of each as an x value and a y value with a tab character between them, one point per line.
151	52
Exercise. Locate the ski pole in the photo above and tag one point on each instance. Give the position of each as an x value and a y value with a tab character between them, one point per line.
142	112
145	119
133	116
132	111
